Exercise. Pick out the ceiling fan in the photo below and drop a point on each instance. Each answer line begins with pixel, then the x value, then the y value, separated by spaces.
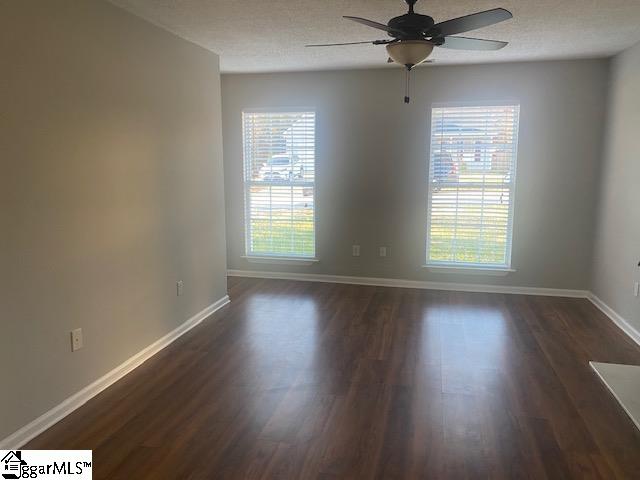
pixel 413 36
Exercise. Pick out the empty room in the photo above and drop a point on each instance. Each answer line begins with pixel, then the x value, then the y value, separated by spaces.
pixel 389 239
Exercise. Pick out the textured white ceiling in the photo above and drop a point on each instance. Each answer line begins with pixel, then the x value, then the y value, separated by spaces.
pixel 269 35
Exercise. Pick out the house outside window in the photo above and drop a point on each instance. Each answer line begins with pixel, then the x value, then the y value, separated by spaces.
pixel 279 183
pixel 471 185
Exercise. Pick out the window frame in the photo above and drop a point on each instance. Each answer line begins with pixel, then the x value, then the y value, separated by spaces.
pixel 275 258
pixel 473 267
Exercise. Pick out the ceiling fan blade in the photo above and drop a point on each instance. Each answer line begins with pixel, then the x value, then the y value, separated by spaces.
pixel 372 42
pixel 470 22
pixel 371 23
pixel 465 43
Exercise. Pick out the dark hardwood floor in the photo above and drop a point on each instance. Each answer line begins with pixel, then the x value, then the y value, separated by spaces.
pixel 325 381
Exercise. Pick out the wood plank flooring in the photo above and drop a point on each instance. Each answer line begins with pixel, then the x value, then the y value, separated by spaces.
pixel 326 381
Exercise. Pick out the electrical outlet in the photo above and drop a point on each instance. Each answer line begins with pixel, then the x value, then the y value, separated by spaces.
pixel 355 250
pixel 382 251
pixel 76 339
pixel 179 287
pixel 636 289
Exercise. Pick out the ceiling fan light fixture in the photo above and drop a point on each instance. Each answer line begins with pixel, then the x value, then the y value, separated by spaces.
pixel 409 52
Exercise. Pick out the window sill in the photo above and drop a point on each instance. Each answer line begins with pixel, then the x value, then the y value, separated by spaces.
pixel 494 271
pixel 275 260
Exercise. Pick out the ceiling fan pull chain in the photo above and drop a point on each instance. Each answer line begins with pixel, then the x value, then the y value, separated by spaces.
pixel 407 85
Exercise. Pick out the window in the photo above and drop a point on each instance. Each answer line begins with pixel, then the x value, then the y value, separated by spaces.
pixel 471 184
pixel 279 183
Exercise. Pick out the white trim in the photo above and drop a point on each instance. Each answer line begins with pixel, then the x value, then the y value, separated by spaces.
pixel 499 102
pixel 494 271
pixel 57 413
pixel 279 109
pixel 276 260
pixel 420 284
pixel 622 324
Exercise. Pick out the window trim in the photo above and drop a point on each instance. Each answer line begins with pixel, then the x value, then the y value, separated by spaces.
pixel 280 260
pixel 471 270
pixel 275 258
pixel 459 267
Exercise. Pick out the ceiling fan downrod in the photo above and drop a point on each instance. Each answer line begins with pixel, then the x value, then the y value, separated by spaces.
pixel 411 3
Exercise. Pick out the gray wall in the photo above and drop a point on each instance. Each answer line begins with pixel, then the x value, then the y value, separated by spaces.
pixel 111 190
pixel 617 250
pixel 372 153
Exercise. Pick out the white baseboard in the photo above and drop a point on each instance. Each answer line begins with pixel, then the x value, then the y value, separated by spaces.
pixel 623 324
pixel 57 413
pixel 397 282
pixel 461 287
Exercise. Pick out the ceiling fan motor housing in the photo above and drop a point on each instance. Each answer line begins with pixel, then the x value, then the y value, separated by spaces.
pixel 413 25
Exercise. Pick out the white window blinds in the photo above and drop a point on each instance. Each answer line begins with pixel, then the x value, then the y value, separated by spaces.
pixel 279 183
pixel 471 185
